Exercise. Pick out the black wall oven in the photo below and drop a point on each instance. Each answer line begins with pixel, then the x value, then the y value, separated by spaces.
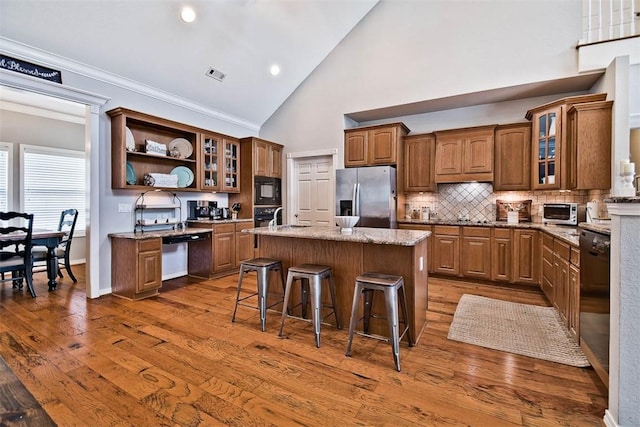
pixel 267 191
pixel 595 294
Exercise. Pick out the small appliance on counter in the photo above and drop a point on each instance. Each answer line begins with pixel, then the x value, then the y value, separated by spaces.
pixel 201 209
pixel 562 214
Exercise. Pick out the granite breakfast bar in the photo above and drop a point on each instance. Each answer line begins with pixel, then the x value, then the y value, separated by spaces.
pixel 390 251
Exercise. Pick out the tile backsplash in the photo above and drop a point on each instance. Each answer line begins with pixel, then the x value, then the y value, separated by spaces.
pixel 476 201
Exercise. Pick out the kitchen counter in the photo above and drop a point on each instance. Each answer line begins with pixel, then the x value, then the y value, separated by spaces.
pixel 217 221
pixel 150 234
pixel 379 236
pixel 565 232
pixel 400 252
pixel 603 227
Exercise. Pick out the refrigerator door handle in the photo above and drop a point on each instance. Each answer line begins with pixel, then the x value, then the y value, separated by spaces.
pixel 356 199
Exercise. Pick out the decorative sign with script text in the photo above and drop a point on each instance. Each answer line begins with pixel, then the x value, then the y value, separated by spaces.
pixel 24 67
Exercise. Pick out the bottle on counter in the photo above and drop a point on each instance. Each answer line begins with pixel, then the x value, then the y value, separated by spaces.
pixel 425 214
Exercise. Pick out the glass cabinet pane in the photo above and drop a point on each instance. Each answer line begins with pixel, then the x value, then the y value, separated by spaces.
pixel 211 162
pixel 542 125
pixel 542 149
pixel 552 148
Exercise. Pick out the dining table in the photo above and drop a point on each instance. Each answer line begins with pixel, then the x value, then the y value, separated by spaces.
pixel 50 239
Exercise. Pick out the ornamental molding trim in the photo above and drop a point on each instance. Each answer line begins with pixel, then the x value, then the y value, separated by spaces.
pixel 30 53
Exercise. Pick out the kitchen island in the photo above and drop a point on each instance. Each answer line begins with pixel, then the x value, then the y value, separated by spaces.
pixel 390 251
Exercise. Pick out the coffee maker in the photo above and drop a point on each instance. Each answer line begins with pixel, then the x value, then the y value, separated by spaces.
pixel 201 209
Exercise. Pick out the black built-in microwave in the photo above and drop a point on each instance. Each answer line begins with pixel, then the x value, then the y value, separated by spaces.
pixel 267 191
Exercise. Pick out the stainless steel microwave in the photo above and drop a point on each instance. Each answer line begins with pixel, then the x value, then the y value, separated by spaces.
pixel 267 191
pixel 560 213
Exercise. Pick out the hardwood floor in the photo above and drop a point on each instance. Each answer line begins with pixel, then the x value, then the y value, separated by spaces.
pixel 178 360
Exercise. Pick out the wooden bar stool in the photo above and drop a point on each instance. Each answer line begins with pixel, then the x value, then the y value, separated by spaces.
pixel 261 266
pixel 391 286
pixel 311 276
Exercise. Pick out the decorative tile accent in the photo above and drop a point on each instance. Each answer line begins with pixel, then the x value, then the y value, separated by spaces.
pixel 476 201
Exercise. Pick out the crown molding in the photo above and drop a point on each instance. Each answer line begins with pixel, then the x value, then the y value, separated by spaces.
pixel 30 53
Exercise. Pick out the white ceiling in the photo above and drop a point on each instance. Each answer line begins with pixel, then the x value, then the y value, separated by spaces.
pixel 146 41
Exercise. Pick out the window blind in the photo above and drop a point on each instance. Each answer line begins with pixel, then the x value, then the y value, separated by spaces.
pixel 4 178
pixel 53 180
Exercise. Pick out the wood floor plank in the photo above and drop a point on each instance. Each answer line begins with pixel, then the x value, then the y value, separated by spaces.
pixel 177 359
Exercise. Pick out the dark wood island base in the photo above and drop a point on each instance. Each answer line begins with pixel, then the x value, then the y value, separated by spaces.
pixel 400 252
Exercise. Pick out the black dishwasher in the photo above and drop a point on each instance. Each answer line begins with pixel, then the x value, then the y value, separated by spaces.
pixel 595 299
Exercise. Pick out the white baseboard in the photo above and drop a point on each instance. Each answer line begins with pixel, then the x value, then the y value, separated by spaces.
pixel 174 275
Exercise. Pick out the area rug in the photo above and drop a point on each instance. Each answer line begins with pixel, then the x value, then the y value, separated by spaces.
pixel 524 329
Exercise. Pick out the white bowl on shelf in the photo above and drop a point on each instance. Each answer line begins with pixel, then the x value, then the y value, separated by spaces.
pixel 346 223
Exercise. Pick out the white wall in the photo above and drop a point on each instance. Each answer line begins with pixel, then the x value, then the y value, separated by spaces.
pixel 407 51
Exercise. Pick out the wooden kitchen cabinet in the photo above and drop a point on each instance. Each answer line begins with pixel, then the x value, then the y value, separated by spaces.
pixel 526 258
pixel 136 267
pixel 268 158
pixel 550 155
pixel 129 160
pixel 374 146
pixel 501 255
pixel 228 247
pixel 223 247
pixel 548 268
pixel 574 294
pixel 589 146
pixel 259 158
pixel 464 154
pixel 476 252
pixel 419 163
pixel 219 163
pixel 446 250
pixel 561 285
pixel 512 157
pixel 243 243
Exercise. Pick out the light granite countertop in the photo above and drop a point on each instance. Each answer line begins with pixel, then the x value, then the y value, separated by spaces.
pixel 567 233
pixel 151 234
pixel 380 236
pixel 217 221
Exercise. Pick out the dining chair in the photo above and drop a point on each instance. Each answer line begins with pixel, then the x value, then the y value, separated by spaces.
pixel 67 225
pixel 18 261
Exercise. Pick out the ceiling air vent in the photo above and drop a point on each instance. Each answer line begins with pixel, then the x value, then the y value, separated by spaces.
pixel 216 74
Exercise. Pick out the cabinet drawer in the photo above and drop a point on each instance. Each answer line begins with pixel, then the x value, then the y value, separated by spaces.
pixel 149 245
pixel 562 249
pixel 547 240
pixel 450 230
pixel 224 228
pixel 244 225
pixel 502 233
pixel 575 256
pixel 476 231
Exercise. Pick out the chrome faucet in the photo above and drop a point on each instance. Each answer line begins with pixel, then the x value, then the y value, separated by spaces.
pixel 274 222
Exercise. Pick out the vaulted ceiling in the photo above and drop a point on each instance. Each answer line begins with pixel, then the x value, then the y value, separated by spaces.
pixel 146 41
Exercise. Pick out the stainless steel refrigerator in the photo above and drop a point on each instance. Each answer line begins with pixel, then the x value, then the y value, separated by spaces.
pixel 369 193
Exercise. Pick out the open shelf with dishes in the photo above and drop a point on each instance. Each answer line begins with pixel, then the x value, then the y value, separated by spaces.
pixel 157 210
pixel 148 151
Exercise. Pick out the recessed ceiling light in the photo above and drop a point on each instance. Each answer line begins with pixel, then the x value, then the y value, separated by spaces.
pixel 274 70
pixel 188 14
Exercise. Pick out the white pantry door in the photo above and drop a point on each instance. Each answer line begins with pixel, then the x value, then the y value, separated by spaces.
pixel 314 191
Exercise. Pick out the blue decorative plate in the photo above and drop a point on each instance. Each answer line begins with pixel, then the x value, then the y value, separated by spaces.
pixel 185 176
pixel 131 174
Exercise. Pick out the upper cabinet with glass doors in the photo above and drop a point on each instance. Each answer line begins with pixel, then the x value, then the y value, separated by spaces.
pixel 220 163
pixel 550 156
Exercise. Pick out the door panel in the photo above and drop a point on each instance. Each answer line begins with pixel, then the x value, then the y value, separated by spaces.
pixel 313 195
